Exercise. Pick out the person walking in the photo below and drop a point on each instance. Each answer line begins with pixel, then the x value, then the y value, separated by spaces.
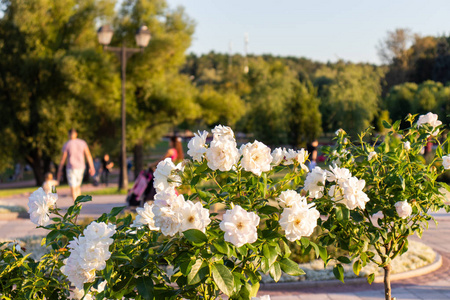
pixel 74 151
pixel 107 165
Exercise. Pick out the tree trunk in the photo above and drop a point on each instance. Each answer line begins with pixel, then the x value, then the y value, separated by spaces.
pixel 387 282
pixel 138 159
pixel 35 161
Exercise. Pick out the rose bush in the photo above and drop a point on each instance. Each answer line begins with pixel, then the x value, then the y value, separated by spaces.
pixel 233 221
pixel 210 253
pixel 392 196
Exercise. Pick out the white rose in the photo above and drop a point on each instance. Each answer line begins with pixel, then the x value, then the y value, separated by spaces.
pixel 222 155
pixel 446 162
pixel 240 226
pixel 278 156
pixel 256 158
pixel 167 212
pixel 371 155
pixel 39 204
pixel 315 182
pixel 403 209
pixel 145 217
pixel 290 197
pixel 430 119
pixel 336 193
pixel 194 216
pixel 338 174
pixel 221 132
pixel 298 221
pixel 100 232
pixel 88 253
pixel 167 220
pixel 165 197
pixel 407 146
pixel 353 193
pixel 197 146
pixel 300 156
pixel 164 177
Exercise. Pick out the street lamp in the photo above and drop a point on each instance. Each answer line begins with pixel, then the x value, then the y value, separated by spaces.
pixel 143 36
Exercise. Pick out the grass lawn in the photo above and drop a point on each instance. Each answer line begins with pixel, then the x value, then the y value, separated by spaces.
pixel 108 191
pixel 17 191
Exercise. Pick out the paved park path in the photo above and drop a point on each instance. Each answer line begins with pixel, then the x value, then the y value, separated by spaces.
pixel 432 286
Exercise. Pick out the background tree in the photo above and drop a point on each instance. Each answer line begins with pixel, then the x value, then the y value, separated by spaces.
pixel 304 118
pixel 350 97
pixel 49 75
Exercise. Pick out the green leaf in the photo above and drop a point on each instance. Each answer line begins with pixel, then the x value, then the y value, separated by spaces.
pixel 145 287
pixel 290 267
pixel 338 272
pixel 221 247
pixel 195 236
pixel 275 271
pixel 268 210
pixel 265 265
pixel 270 253
pixel 305 242
pixel 83 198
pixel 371 278
pixel 323 253
pixel 115 211
pixel 120 256
pixel 344 259
pixel 223 278
pixel 357 267
pixel 201 168
pixel 439 151
pixel 316 248
pixel 342 213
pixel 386 125
pixel 195 180
pixel 194 270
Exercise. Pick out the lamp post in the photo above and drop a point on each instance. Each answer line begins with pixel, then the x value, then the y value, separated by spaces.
pixel 143 36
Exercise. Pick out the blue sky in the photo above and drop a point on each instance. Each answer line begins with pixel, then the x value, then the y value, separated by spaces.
pixel 320 30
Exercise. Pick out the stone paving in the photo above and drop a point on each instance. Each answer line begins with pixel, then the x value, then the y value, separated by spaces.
pixel 432 286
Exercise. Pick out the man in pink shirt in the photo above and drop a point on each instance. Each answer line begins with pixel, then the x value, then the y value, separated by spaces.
pixel 74 151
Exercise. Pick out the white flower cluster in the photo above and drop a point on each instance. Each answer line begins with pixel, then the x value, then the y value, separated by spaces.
pixel 222 154
pixel 88 253
pixel 315 182
pixel 39 204
pixel 403 209
pixel 240 226
pixel 347 190
pixel 256 158
pixel 197 146
pixel 446 162
pixel 430 119
pixel 145 217
pixel 165 175
pixel 299 218
pixel 172 214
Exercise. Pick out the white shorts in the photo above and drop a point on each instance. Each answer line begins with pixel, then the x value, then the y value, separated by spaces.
pixel 75 177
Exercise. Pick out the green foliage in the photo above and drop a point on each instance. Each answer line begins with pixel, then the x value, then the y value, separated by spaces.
pixel 204 265
pixel 305 120
pixel 418 98
pixel 377 233
pixel 350 96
